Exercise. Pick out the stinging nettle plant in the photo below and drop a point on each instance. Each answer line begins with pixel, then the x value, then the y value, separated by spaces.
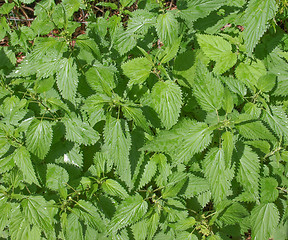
pixel 159 120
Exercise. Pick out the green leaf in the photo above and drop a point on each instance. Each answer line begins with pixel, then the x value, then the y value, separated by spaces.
pixel 43 85
pixel 167 28
pixel 4 145
pixel 184 235
pixel 175 184
pixel 234 85
pixel 164 236
pixel 204 198
pixel 255 130
pixel 277 120
pixel 67 78
pixel 164 169
pixel 71 6
pixel 20 228
pixel 114 188
pixel 80 132
pixel 269 191
pixel 195 186
pixel 149 171
pixel 175 210
pixel 6 8
pixel 88 44
pixel 57 104
pixel 228 103
pixel 113 6
pixel 137 70
pixel 56 177
pixel 22 160
pixel 6 163
pixel 250 73
pixel 233 214
pixel 152 225
pixel 278 67
pixel 167 100
pixel 184 224
pixel 264 219
pixel 6 209
pixel 257 17
pixel 94 107
pixel 72 156
pixel 253 110
pixel 218 175
pixel 139 23
pixel 102 163
pixel 218 50
pixel 208 90
pixel 128 212
pixel 36 210
pixel 89 213
pixel 267 82
pixel 184 66
pixel 193 10
pixel 27 1
pixel 126 3
pixel 228 147
pixel 125 42
pixel 7 55
pixel 135 113
pixel 12 110
pixel 171 51
pixel 74 227
pixel 248 172
pixel 146 228
pixel 118 143
pixel 101 78
pixel 264 146
pixel 184 140
pixel 39 137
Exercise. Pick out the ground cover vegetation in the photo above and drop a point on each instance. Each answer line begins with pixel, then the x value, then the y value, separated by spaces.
pixel 143 119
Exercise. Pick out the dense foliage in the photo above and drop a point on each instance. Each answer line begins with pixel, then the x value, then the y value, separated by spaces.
pixel 147 119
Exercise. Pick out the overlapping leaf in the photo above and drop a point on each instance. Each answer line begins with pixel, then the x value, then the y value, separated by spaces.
pixel 131 210
pixel 277 120
pixel 167 28
pixel 39 137
pixel 22 160
pixel 167 101
pixel 67 78
pixel 101 78
pixel 183 141
pixel 257 16
pixel 250 73
pixel 35 209
pixel 193 10
pixel 80 132
pixel 218 175
pixel 248 172
pixel 218 50
pixel 208 90
pixel 264 219
pixel 118 143
pixel 137 69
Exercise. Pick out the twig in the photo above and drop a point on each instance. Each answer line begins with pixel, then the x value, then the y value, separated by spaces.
pixel 19 20
pixel 99 9
pixel 170 4
pixel 282 189
pixel 15 20
pixel 28 8
pixel 26 16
